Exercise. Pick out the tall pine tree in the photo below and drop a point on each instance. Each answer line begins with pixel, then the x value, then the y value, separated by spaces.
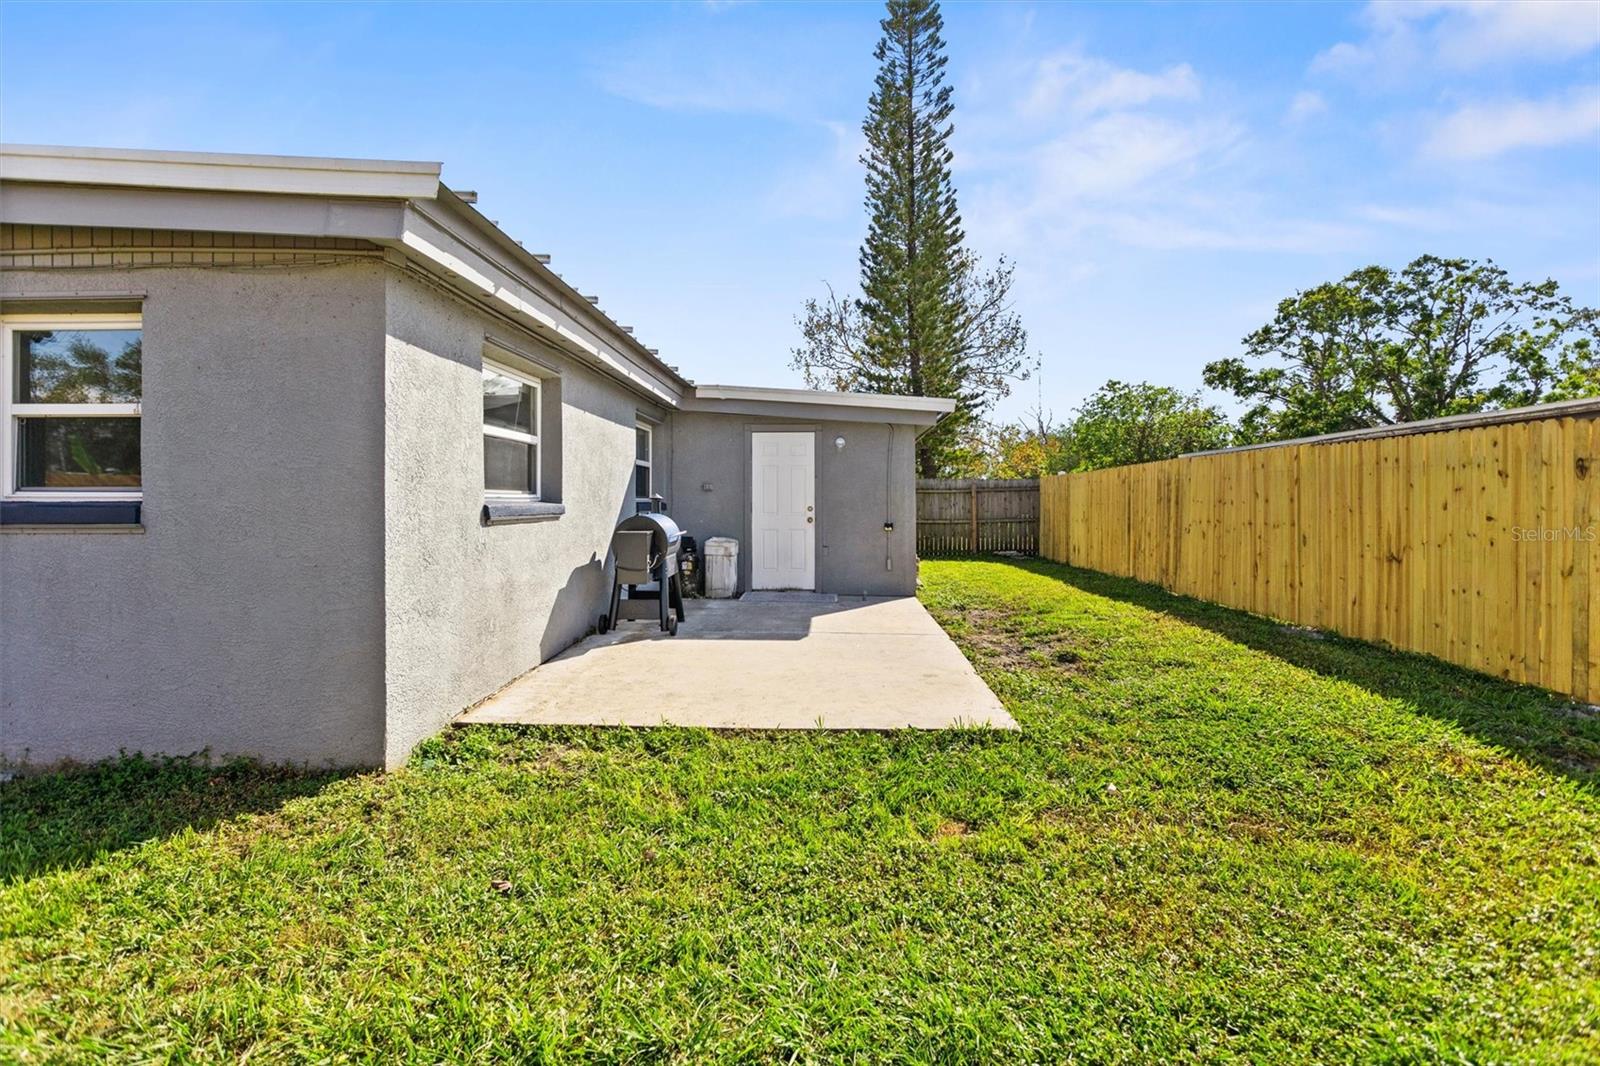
pixel 927 322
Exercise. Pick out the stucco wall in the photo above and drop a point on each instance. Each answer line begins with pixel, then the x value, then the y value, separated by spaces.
pixel 247 617
pixel 859 487
pixel 314 582
pixel 471 607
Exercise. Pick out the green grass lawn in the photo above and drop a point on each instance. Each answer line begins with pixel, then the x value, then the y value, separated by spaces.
pixel 1215 839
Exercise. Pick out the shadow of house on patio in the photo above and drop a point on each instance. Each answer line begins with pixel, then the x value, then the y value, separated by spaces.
pixel 1541 728
pixel 65 820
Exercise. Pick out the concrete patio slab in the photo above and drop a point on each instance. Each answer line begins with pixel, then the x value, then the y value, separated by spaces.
pixel 875 663
pixel 761 596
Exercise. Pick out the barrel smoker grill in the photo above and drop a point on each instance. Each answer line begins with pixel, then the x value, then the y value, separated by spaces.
pixel 645 547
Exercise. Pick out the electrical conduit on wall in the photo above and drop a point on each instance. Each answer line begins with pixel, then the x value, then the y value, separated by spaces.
pixel 888 515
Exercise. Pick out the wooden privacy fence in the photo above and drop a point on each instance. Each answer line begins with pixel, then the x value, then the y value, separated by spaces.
pixel 972 515
pixel 1473 542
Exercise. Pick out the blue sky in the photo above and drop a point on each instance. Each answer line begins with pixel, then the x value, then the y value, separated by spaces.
pixel 1161 175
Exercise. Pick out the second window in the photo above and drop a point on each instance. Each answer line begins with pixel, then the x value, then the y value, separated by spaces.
pixel 643 446
pixel 510 433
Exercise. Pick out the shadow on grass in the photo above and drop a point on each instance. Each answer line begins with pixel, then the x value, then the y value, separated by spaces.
pixel 1539 727
pixel 66 819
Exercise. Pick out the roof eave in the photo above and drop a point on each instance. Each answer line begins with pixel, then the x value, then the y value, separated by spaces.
pixel 394 204
pixel 382 179
pixel 923 411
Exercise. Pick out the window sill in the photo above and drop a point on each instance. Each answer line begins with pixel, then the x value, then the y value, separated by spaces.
pixel 504 512
pixel 56 514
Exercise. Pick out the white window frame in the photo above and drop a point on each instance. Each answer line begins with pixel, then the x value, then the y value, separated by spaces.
pixel 492 367
pixel 648 464
pixel 11 412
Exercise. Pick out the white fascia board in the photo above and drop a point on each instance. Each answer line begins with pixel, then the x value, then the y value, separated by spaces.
pixel 812 412
pixel 476 270
pixel 933 405
pixel 380 179
pixel 26 203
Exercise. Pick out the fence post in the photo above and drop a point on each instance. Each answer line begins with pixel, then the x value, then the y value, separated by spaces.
pixel 974 487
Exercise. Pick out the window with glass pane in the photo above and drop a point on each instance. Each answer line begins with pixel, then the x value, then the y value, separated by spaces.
pixel 643 443
pixel 507 402
pixel 77 365
pixel 72 392
pixel 510 434
pixel 77 453
pixel 509 466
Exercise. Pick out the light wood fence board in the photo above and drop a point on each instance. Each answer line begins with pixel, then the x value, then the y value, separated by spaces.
pixel 1474 544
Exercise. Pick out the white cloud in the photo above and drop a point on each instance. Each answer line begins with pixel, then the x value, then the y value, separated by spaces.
pixel 677 79
pixel 1405 36
pixel 1305 105
pixel 830 186
pixel 1399 216
pixel 1484 33
pixel 1116 155
pixel 1231 232
pixel 1052 134
pixel 1344 56
pixel 1139 180
pixel 1483 130
pixel 1077 153
pixel 1087 85
pixel 713 64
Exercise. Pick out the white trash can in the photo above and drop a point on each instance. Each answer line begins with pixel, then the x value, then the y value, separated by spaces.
pixel 722 568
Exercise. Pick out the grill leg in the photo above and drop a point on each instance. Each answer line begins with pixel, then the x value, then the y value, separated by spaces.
pixel 616 602
pixel 677 594
pixel 665 600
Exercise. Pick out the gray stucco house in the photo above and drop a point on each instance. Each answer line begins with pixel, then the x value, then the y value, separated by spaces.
pixel 304 456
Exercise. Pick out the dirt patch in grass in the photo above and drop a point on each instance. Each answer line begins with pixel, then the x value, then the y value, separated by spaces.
pixel 559 758
pixel 1256 828
pixel 1581 762
pixel 946 830
pixel 1581 712
pixel 1000 640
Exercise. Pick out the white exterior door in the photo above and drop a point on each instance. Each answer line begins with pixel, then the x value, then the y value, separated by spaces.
pixel 783 520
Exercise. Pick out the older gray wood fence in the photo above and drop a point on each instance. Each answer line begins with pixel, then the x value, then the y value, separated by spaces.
pixel 968 516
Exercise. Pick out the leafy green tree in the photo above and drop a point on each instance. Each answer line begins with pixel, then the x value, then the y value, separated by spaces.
pixel 1139 423
pixel 928 321
pixel 1439 337
pixel 1029 447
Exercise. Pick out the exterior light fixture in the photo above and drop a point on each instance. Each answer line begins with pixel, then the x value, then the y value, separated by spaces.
pixel 838 442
